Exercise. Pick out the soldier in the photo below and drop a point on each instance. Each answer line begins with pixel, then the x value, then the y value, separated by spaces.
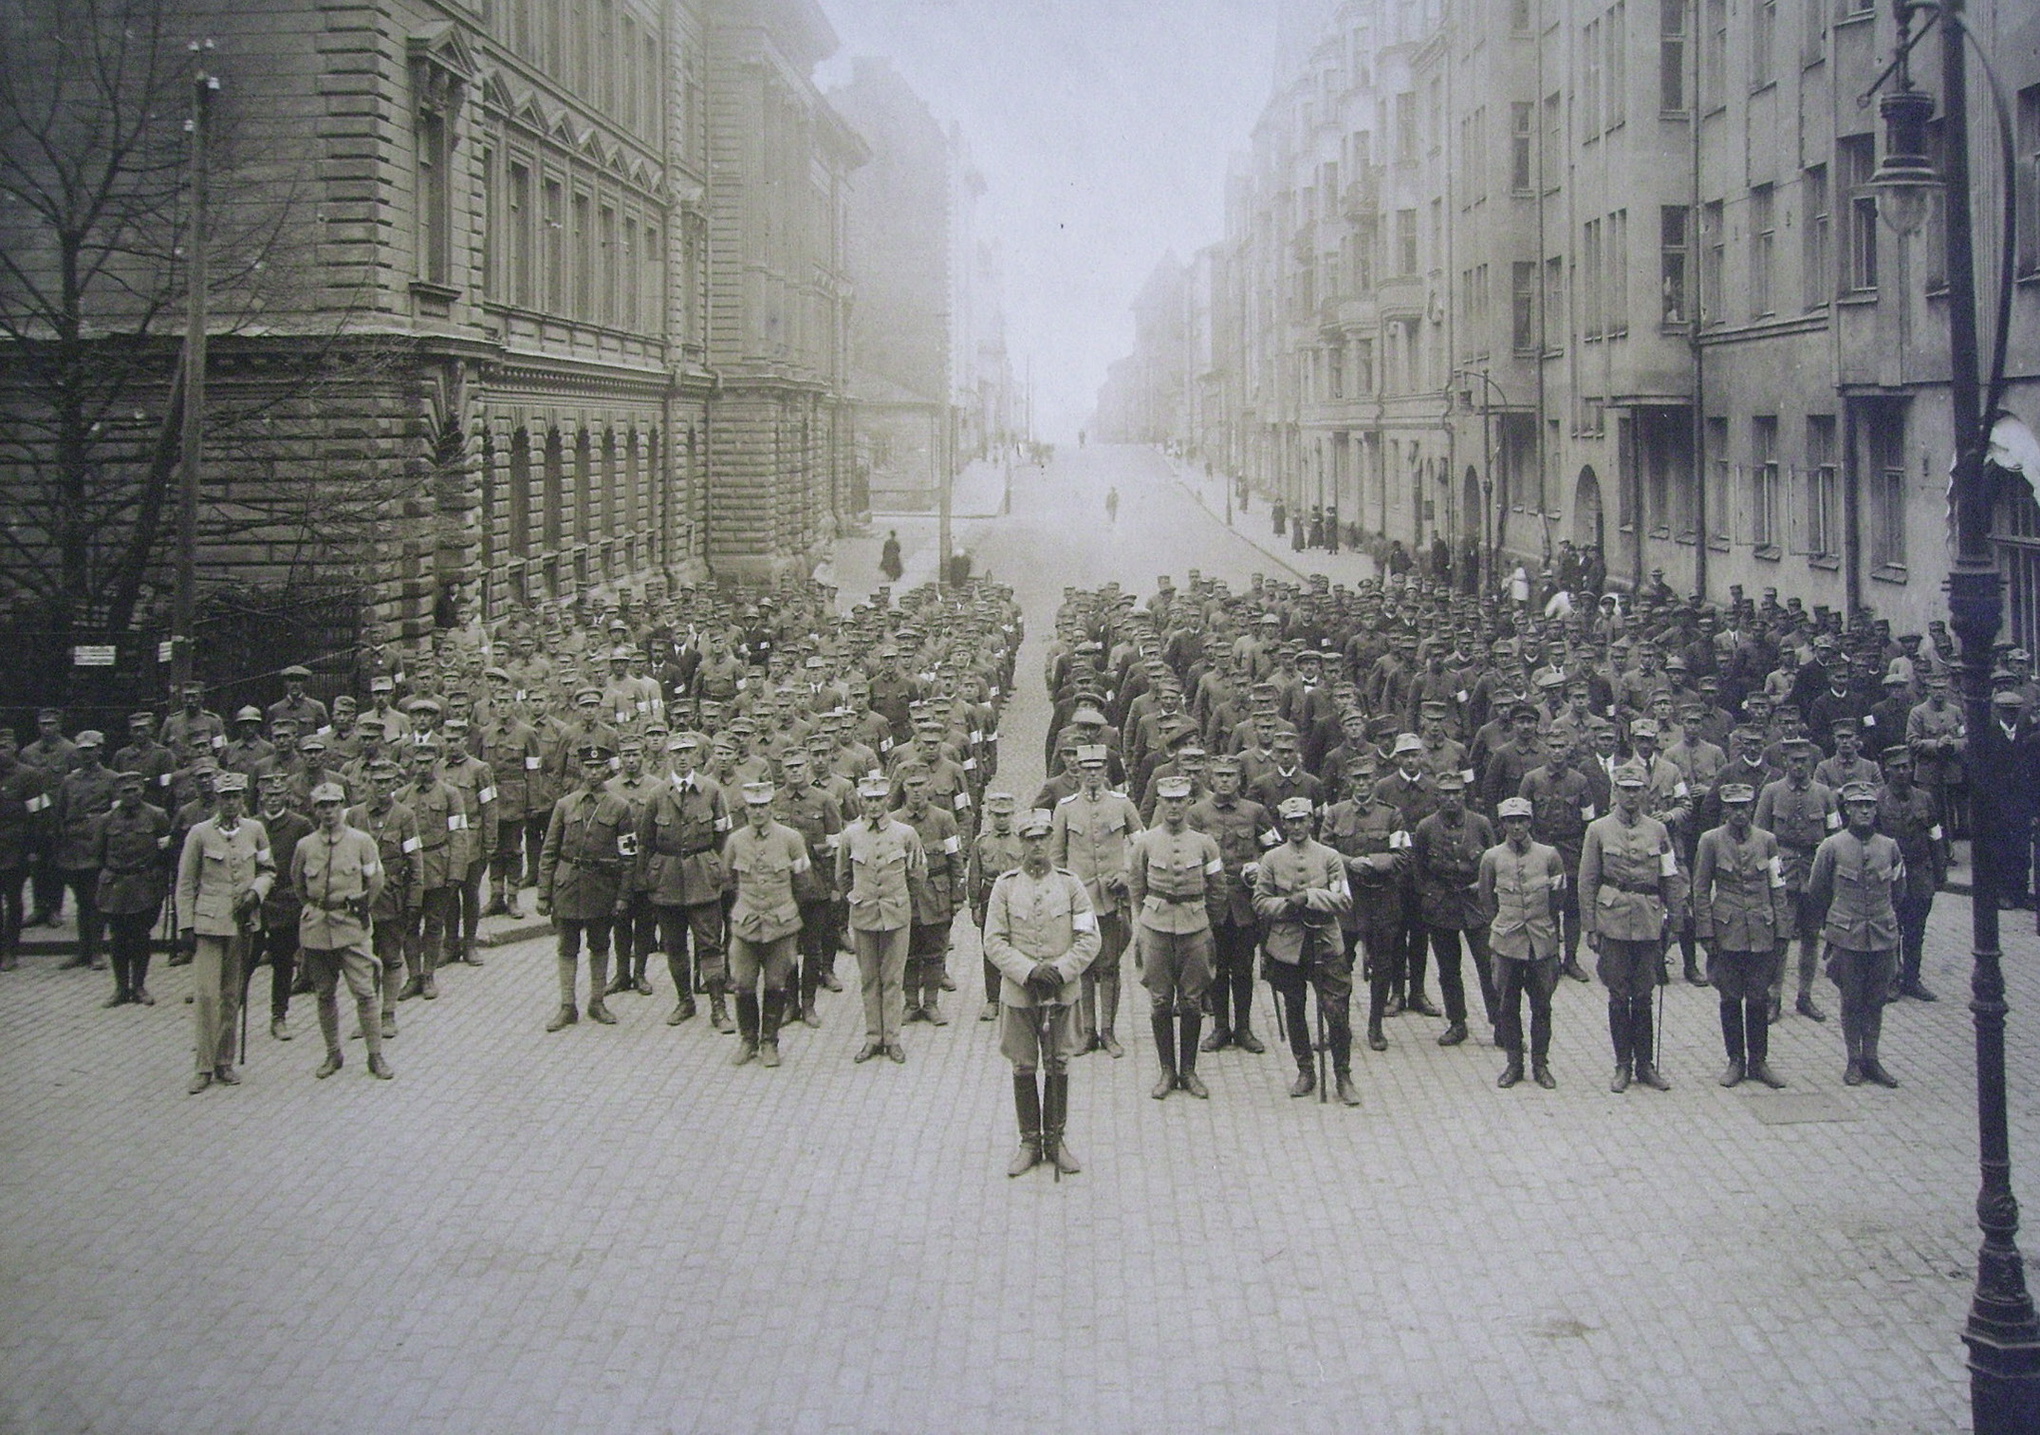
pixel 1174 875
pixel 1413 793
pixel 765 857
pixel 53 756
pixel 680 836
pixel 338 874
pixel 878 862
pixel 1520 883
pixel 1242 828
pixel 936 893
pixel 249 754
pixel 1800 813
pixel 516 760
pixel 1039 933
pixel 193 729
pixel 472 841
pixel 1092 828
pixel 1562 803
pixel 588 842
pixel 1301 893
pixel 1743 912
pixel 275 943
pixel 806 808
pixel 637 923
pixel 1628 885
pixel 1910 815
pixel 401 855
pixel 1368 834
pixel 223 873
pixel 143 754
pixel 439 813
pixel 308 713
pixel 1445 853
pixel 83 797
pixel 1856 875
pixel 20 785
pixel 133 861
pixel 996 851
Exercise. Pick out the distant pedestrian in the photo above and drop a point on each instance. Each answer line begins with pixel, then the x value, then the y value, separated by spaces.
pixel 889 557
pixel 1112 504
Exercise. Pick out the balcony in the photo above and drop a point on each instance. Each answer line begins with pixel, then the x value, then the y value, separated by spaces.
pixel 1361 199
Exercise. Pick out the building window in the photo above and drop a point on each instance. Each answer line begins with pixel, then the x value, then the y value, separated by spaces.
pixel 1519 16
pixel 1813 43
pixel 520 493
pixel 1363 367
pixel 1764 530
pixel 1406 127
pixel 1554 301
pixel 435 197
pixel 1523 306
pixel 1763 243
pixel 491 254
pixel 2029 180
pixel 1674 223
pixel 585 265
pixel 1857 156
pixel 555 248
pixel 1672 56
pixel 612 261
pixel 652 291
pixel 1519 147
pixel 1618 274
pixel 1714 56
pixel 1713 257
pixel 1885 444
pixel 1590 80
pixel 1763 43
pixel 627 266
pixel 1590 271
pixel 1554 140
pixel 1360 255
pixel 1616 36
pixel 1816 236
pixel 1823 489
pixel 1406 241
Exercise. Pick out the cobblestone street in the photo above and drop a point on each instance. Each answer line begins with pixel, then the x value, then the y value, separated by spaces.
pixel 611 1229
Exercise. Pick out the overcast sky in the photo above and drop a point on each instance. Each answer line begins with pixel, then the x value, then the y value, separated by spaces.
pixel 1102 128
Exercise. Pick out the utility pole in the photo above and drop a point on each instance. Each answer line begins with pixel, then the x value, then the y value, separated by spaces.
pixel 191 462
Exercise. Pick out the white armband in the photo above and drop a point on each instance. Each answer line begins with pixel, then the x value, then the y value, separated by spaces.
pixel 1935 832
pixel 1777 869
pixel 1834 821
pixel 950 846
pixel 1667 865
pixel 409 845
pixel 487 794
pixel 532 764
pixel 1083 922
pixel 1213 867
pixel 960 801
pixel 456 822
pixel 1587 813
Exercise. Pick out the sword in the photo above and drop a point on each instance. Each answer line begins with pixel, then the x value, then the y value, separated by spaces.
pixel 1051 1133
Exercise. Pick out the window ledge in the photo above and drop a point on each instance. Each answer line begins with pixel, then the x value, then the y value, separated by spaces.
pixel 442 293
pixel 1662 534
pixel 1828 562
pixel 1770 552
pixel 1889 573
pixel 1760 88
pixel 1857 297
pixel 1674 328
pixel 1718 543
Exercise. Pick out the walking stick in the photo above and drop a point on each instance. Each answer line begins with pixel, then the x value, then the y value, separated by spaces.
pixel 1323 1044
pixel 1051 1131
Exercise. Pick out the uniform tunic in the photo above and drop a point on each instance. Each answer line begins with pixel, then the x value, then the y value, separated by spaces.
pixel 1519 890
pixel 1029 920
pixel 580 869
pixel 1172 879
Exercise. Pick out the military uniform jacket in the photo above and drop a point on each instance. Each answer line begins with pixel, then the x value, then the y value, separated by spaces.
pixel 84 796
pixel 1243 829
pixel 307 712
pixel 1414 798
pixel 1369 835
pixel 399 853
pixel 475 837
pixel 1445 863
pixel 1089 839
pixel 1800 818
pixel 1519 895
pixel 190 735
pixel 1315 873
pixel 813 813
pixel 939 888
pixel 1853 884
pixel 133 861
pixel 19 787
pixel 680 835
pixel 155 762
pixel 517 762
pixel 286 829
pixel 439 811
pixel 1628 878
pixel 1174 877
pixel 764 866
pixel 215 867
pixel 337 878
pixel 1039 919
pixel 877 867
pixel 1914 823
pixel 581 866
pixel 992 856
pixel 1561 806
pixel 1740 901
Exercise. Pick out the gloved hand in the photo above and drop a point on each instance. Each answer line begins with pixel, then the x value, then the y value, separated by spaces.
pixel 544 906
pixel 1044 980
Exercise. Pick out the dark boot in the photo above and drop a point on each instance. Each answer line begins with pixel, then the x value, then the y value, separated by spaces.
pixel 1872 1031
pixel 1163 1020
pixel 1643 1038
pixel 718 1010
pixel 1027 1103
pixel 1758 1032
pixel 1187 1077
pixel 1055 1143
pixel 771 1014
pixel 1618 1035
pixel 747 1028
pixel 1243 1012
pixel 1732 1040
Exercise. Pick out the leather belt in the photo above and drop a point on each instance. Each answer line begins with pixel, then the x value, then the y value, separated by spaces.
pixel 1176 901
pixel 1634 890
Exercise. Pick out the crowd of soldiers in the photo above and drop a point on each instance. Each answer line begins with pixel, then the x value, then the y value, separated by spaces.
pixel 745 788
pixel 1396 777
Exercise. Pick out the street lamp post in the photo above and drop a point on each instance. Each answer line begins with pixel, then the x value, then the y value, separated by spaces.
pixel 1489 536
pixel 2002 1332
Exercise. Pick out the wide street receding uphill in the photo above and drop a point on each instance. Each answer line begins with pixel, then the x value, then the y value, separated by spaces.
pixel 613 1229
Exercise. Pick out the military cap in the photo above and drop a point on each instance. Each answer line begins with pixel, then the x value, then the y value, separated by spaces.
pixel 2008 699
pixel 623 745
pixel 298 671
pixel 1450 781
pixel 369 724
pixel 1089 717
pixel 1294 807
pixel 382 683
pixel 1735 793
pixel 1897 752
pixel 205 764
pixel 1091 752
pixel 328 792
pixel 1549 678
pixel 312 742
pixel 1643 727
pixel 123 779
pixel 914 777
pixel 588 698
pixel 1799 747
pixel 1514 807
pixel 1523 710
pixel 1173 787
pixel 496 675
pixel 383 767
pixel 593 752
pixel 873 786
pixel 230 780
pixel 251 713
pixel 346 702
pixel 757 794
pixel 741 726
pixel 91 737
pixel 1859 792
pixel 194 687
pixel 455 726
pixel 139 716
pixel 423 705
pixel 1408 742
pixel 794 756
pixel 426 745
pixel 1224 762
pixel 1433 707
pixel 1000 802
pixel 1631 774
pixel 1038 822
pixel 1191 748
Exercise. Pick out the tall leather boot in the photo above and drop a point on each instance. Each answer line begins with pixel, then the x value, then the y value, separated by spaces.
pixel 1618 1035
pixel 1689 950
pixel 1108 1015
pixel 1055 1141
pixel 138 978
pixel 1027 1104
pixel 683 989
pixel 1377 1007
pixel 1734 1042
pixel 1852 1074
pixel 747 1027
pixel 1087 1015
pixel 1643 1037
pixel 1243 1009
pixel 1163 1019
pixel 771 1013
pixel 1758 1031
pixel 810 983
pixel 718 1005
pixel 568 1013
pixel 1872 1034
pixel 598 969
pixel 1217 1005
pixel 1186 1067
